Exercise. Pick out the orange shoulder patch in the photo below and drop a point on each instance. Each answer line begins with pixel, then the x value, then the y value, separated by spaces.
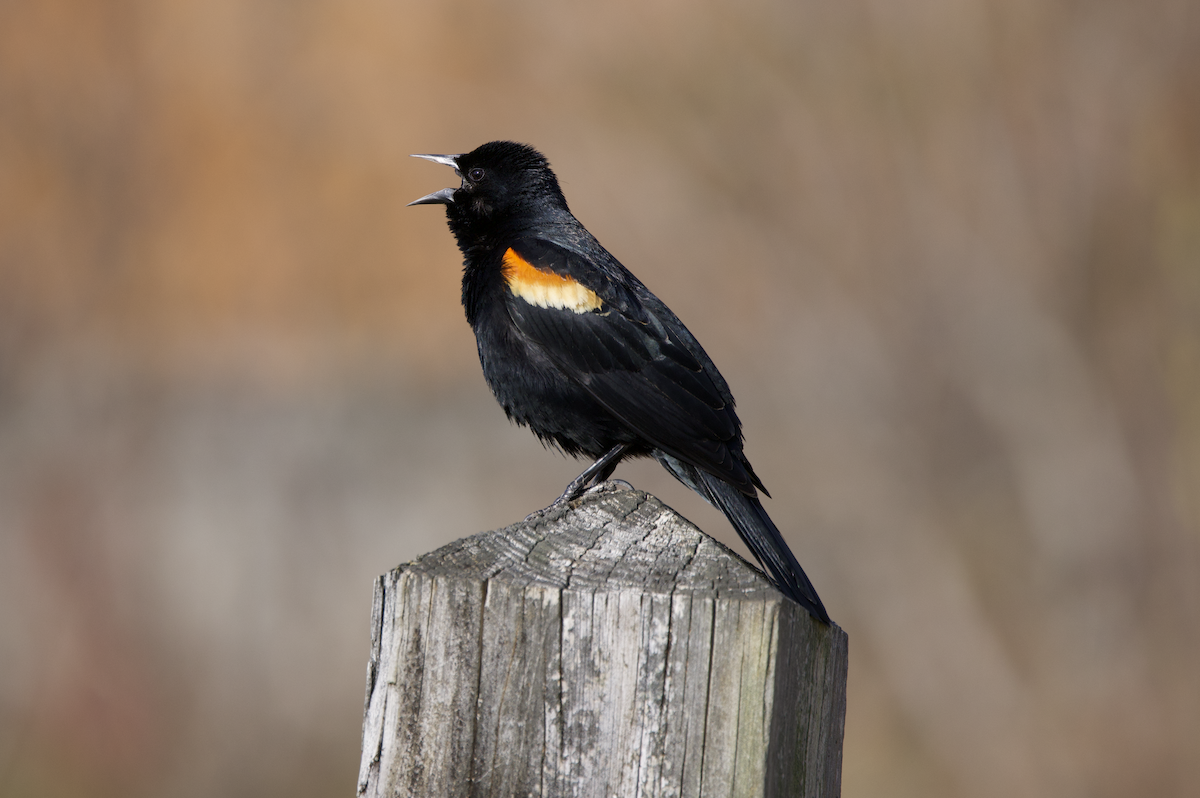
pixel 546 289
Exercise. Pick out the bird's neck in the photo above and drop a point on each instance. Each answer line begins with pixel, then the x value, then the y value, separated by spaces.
pixel 483 242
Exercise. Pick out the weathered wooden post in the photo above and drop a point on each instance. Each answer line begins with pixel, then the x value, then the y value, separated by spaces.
pixel 609 648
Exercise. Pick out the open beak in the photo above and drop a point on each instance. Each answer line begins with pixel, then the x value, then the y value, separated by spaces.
pixel 446 195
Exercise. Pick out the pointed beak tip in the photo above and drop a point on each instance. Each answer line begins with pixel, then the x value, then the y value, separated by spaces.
pixel 445 160
pixel 444 196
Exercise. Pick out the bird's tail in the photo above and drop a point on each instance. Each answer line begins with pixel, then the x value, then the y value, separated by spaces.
pixel 760 534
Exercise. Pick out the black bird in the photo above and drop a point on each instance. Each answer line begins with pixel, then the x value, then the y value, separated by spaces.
pixel 578 350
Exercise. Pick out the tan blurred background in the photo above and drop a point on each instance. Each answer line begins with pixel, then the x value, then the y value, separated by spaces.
pixel 947 254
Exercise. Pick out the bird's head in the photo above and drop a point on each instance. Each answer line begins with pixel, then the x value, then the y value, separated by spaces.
pixel 501 181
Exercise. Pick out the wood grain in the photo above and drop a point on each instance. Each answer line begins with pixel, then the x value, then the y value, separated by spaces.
pixel 608 648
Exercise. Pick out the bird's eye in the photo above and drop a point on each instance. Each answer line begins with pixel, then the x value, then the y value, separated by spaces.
pixel 475 175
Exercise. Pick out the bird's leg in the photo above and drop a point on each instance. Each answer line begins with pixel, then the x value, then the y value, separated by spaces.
pixel 594 474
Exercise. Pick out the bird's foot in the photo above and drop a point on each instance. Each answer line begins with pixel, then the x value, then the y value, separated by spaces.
pixel 563 500
pixel 572 493
pixel 577 488
pixel 592 477
pixel 610 484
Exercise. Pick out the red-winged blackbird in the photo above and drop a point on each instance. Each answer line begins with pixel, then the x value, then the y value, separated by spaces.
pixel 577 349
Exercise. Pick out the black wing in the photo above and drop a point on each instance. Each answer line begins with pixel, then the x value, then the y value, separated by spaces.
pixel 637 360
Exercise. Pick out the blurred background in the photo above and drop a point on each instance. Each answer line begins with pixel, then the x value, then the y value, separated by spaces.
pixel 946 253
